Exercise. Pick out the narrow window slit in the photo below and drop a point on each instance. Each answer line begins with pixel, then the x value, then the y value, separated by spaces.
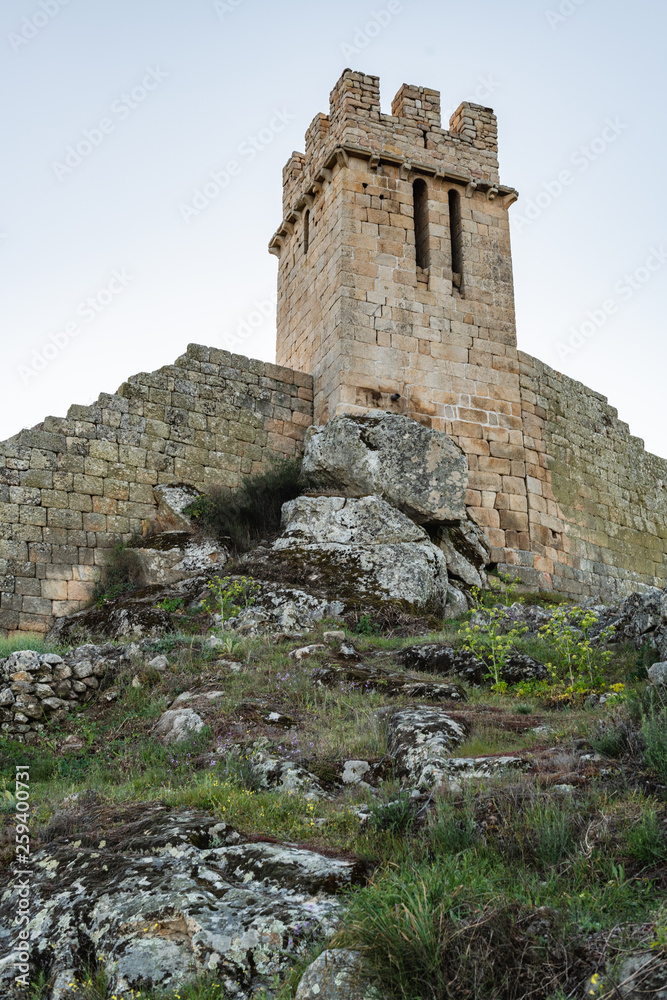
pixel 420 203
pixel 456 238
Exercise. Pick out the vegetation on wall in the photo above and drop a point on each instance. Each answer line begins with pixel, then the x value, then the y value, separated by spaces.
pixel 252 511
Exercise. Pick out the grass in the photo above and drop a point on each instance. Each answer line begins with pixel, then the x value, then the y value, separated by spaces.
pixel 488 893
pixel 654 732
pixel 26 640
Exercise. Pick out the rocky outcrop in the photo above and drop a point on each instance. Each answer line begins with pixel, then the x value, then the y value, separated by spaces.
pixel 361 549
pixel 336 974
pixel 133 618
pixel 439 658
pixel 390 682
pixel 167 897
pixel 175 555
pixel 420 740
pixel 416 470
pixel 419 471
pixel 173 500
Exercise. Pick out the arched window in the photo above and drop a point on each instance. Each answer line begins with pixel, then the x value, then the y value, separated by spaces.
pixel 306 230
pixel 420 203
pixel 456 238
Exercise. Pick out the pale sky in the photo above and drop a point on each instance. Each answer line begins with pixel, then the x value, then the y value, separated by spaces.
pixel 117 112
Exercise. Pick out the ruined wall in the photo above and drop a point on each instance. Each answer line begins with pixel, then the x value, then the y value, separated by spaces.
pixel 604 491
pixel 71 487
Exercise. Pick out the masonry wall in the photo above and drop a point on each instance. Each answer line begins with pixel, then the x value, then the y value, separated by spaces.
pixel 606 495
pixel 71 487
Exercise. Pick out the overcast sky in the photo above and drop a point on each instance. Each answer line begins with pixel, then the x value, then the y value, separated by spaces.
pixel 117 112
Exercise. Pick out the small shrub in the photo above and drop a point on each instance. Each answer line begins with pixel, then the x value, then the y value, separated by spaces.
pixel 229 596
pixel 654 731
pixel 238 517
pixel 121 575
pixel 236 769
pixel 170 604
pixel 614 738
pixel 494 641
pixel 646 840
pixel 395 817
pixel 580 661
pixel 422 938
pixel 367 626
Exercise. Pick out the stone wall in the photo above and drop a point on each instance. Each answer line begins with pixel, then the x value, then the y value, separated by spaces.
pixel 71 487
pixel 599 507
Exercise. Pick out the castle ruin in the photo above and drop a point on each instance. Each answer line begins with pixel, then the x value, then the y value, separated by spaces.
pixel 395 292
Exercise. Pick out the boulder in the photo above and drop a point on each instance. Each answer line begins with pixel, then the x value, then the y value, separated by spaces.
pixel 438 658
pixel 389 682
pixel 172 501
pixel 420 471
pixel 336 974
pixel 638 976
pixel 286 776
pixel 178 724
pixel 657 674
pixel 165 898
pixel 278 608
pixel 357 549
pixel 123 619
pixel 175 555
pixel 466 551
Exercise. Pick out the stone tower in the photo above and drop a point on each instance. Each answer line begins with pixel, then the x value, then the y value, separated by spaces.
pixel 395 282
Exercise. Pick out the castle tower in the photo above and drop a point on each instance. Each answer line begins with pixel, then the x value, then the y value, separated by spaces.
pixel 395 282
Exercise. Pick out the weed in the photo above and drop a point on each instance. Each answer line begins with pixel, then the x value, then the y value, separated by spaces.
pixel 231 595
pixel 252 511
pixel 654 731
pixel 396 817
pixel 579 660
pixel 451 830
pixel 550 834
pixel 494 641
pixel 646 839
pixel 170 604
pixel 120 576
pixel 367 626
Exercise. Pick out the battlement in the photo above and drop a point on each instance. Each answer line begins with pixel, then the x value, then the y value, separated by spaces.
pixel 412 134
